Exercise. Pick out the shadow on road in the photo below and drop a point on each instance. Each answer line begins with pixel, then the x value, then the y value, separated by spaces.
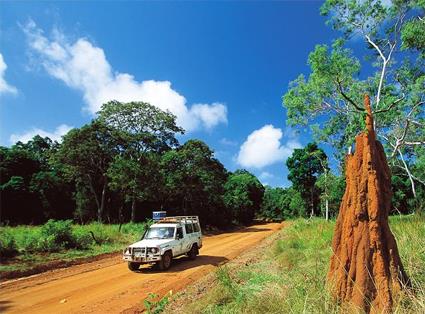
pixel 250 229
pixel 183 263
pixel 4 305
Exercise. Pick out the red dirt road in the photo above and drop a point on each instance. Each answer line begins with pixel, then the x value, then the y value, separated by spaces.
pixel 107 286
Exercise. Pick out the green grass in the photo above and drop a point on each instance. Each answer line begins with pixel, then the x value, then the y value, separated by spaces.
pixel 291 276
pixel 29 246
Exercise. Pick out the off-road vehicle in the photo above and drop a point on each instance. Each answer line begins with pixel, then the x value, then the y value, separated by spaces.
pixel 165 239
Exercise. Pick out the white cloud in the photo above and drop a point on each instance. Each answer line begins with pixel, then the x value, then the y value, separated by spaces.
pixel 4 86
pixel 263 147
pixel 84 67
pixel 226 141
pixel 56 135
pixel 265 175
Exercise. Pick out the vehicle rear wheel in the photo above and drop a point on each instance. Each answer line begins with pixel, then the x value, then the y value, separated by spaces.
pixel 133 266
pixel 193 251
pixel 165 261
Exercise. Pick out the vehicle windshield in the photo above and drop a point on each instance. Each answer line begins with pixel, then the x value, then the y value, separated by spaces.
pixel 160 233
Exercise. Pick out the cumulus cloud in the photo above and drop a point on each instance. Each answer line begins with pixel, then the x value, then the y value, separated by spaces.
pixel 4 86
pixel 83 66
pixel 56 135
pixel 263 147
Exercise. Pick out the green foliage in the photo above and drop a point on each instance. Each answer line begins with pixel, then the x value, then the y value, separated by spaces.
pixel 413 35
pixel 320 96
pixel 85 155
pixel 281 204
pixel 24 247
pixel 56 235
pixel 8 247
pixel 155 306
pixel 305 165
pixel 193 181
pixel 243 195
pixel 332 188
pixel 140 129
pixel 393 75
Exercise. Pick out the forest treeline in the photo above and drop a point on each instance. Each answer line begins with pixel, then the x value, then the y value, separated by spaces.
pixel 127 163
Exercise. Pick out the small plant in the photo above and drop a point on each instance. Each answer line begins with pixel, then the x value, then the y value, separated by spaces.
pixel 155 306
pixel 225 280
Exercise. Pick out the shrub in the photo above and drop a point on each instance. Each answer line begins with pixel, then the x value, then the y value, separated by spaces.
pixel 56 235
pixel 82 239
pixel 7 245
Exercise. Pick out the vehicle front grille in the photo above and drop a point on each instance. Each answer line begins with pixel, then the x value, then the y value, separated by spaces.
pixel 138 250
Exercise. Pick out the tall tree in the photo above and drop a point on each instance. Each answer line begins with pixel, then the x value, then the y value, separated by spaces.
pixel 330 99
pixel 193 180
pixel 139 129
pixel 30 186
pixel 332 189
pixel 305 165
pixel 85 156
pixel 243 195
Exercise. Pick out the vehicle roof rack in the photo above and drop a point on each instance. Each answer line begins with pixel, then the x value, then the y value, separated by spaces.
pixel 178 219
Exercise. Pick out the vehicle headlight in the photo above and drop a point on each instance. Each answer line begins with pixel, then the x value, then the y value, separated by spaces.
pixel 153 250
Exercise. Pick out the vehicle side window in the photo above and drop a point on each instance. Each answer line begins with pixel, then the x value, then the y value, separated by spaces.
pixel 196 227
pixel 180 232
pixel 189 228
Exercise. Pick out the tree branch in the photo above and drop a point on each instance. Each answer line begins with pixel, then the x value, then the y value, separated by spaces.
pixel 412 183
pixel 348 98
pixel 390 106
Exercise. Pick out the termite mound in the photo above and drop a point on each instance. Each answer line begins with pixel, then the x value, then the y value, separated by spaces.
pixel 366 270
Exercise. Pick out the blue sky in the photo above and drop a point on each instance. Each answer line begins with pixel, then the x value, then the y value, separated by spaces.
pixel 221 67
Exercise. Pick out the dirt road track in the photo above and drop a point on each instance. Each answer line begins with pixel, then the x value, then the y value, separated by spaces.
pixel 107 286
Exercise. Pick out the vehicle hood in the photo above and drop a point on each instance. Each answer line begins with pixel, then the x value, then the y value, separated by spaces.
pixel 151 243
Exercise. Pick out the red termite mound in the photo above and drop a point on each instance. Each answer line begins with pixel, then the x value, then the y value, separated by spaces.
pixel 366 270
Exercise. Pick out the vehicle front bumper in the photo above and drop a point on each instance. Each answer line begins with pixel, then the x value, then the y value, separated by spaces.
pixel 142 258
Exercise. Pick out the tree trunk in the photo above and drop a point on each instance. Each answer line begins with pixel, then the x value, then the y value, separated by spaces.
pixel 327 208
pixel 365 270
pixel 133 210
pixel 312 201
pixel 96 199
pixel 102 203
pixel 120 217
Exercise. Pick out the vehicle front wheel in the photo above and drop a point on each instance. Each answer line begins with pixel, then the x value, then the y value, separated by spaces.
pixel 165 261
pixel 193 251
pixel 133 266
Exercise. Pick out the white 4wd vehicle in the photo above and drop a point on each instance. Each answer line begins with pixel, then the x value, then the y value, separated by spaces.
pixel 167 238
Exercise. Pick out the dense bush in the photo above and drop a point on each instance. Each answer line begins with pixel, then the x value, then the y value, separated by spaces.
pixel 7 245
pixel 56 236
pixel 63 236
pixel 279 204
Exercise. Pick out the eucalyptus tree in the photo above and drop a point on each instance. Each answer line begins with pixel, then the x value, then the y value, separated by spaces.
pixel 139 130
pixel 392 72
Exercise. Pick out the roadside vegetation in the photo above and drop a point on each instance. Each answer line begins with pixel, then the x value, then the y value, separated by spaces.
pixel 23 247
pixel 290 275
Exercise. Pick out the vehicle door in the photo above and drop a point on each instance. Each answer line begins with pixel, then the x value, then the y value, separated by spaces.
pixel 197 233
pixel 188 237
pixel 180 241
